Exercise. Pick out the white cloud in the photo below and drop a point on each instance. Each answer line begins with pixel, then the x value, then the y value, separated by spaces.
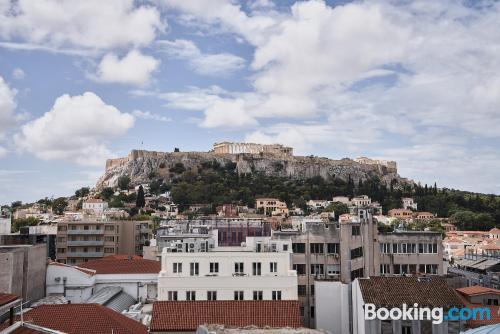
pixel 150 116
pixel 3 152
pixel 90 24
pixel 77 128
pixel 134 68
pixel 203 63
pixel 7 106
pixel 18 73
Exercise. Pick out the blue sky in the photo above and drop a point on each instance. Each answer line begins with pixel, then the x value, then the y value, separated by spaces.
pixel 417 82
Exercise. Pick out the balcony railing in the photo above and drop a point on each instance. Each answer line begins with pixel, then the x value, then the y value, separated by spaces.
pixel 86 243
pixel 85 254
pixel 88 232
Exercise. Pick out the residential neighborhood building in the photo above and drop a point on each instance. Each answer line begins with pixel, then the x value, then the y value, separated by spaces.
pixel 94 205
pixel 477 296
pixel 259 270
pixel 271 206
pixel 5 223
pixel 80 240
pixel 409 204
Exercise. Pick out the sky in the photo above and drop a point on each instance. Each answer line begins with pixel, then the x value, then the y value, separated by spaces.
pixel 413 81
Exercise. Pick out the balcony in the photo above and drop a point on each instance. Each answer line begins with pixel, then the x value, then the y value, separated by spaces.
pixel 86 232
pixel 86 243
pixel 85 254
pixel 145 230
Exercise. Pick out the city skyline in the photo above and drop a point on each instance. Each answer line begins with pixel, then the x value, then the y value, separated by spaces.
pixel 81 83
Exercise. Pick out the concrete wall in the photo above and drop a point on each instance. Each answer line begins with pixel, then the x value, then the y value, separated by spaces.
pixel 332 306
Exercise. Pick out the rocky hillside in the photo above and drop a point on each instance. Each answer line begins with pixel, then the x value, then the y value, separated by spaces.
pixel 143 166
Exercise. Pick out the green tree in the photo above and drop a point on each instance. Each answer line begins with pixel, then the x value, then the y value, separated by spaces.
pixel 59 205
pixel 140 201
pixel 106 193
pixel 82 192
pixel 124 182
pixel 338 208
pixel 18 223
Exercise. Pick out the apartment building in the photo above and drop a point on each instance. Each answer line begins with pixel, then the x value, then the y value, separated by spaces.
pixel 339 251
pixel 259 270
pixel 410 252
pixel 271 206
pixel 81 240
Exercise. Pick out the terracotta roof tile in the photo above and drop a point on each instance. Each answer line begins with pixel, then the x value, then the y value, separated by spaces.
pixel 477 290
pixel 188 315
pixel 122 264
pixel 6 298
pixel 396 291
pixel 494 314
pixel 83 319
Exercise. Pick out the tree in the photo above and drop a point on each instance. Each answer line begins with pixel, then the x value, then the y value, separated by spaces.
pixel 18 223
pixel 140 202
pixel 338 208
pixel 59 204
pixel 124 182
pixel 82 192
pixel 106 193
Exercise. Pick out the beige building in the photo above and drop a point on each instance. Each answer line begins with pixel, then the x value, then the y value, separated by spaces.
pixel 90 238
pixel 271 206
pixel 400 213
pixel 252 148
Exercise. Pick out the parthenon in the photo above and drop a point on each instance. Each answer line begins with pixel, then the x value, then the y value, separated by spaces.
pixel 252 148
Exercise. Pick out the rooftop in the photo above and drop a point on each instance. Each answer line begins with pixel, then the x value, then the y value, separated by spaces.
pixel 188 315
pixel 477 290
pixel 6 298
pixel 123 264
pixel 83 319
pixel 396 291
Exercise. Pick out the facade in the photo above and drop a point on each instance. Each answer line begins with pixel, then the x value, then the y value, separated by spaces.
pixel 22 271
pixel 95 205
pixel 252 148
pixel 410 252
pixel 5 223
pixel 318 204
pixel 400 213
pixel 33 235
pixel 409 204
pixel 81 240
pixel 271 206
pixel 261 270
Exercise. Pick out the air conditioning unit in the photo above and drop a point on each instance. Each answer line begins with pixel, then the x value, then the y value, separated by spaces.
pixel 57 279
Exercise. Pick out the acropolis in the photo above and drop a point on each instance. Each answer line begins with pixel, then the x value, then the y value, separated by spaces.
pixel 252 148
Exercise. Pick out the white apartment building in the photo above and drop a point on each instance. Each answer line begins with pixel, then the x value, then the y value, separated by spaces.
pixel 5 225
pixel 95 205
pixel 258 270
pixel 409 204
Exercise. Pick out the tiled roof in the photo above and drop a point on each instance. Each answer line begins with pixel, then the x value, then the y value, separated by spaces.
pixel 83 270
pixel 494 314
pixel 123 264
pixel 395 291
pixel 188 315
pixel 477 290
pixel 94 200
pixel 6 298
pixel 495 231
pixel 83 319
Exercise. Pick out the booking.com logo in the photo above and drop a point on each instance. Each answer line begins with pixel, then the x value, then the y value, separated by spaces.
pixel 436 314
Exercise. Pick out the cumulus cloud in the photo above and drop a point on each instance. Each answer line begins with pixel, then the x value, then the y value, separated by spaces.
pixel 134 68
pixel 90 24
pixel 203 63
pixel 77 128
pixel 150 116
pixel 7 106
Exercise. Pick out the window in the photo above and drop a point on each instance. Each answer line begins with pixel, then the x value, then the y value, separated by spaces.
pixel 333 248
pixel 211 295
pixel 333 269
pixel 109 228
pixel 257 295
pixel 299 248
pixel 356 252
pixel 356 230
pixel 385 248
pixel 190 295
pixel 312 311
pixel 238 268
pixel 492 302
pixel 312 290
pixel 302 311
pixel 109 250
pixel 357 273
pixel 300 269
pixel 256 269
pixel 316 248
pixel 276 295
pixel 428 248
pixel 214 267
pixel 172 295
pixel 317 269
pixel 238 295
pixel 285 248
pixel 405 329
pixel 109 238
pixel 194 269
pixel 385 269
pixel 177 268
pixel 273 267
pixel 301 290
